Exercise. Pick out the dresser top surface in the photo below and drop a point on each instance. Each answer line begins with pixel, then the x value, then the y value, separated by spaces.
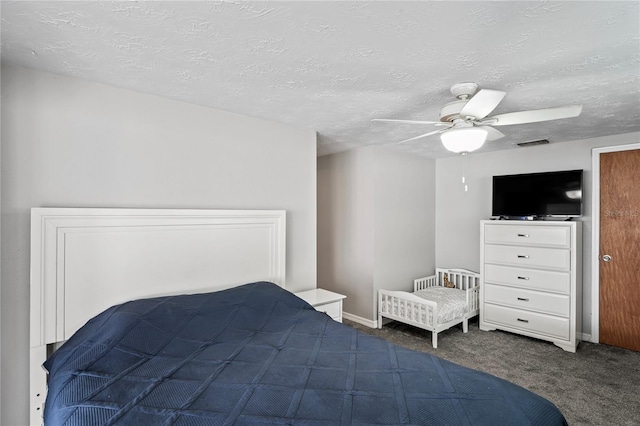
pixel 531 222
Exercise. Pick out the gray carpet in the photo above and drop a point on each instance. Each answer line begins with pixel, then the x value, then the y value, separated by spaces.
pixel 598 385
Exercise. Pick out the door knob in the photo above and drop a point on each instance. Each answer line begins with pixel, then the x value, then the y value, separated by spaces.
pixel 606 258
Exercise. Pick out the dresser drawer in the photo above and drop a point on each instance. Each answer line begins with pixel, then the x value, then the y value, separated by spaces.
pixel 535 257
pixel 549 303
pixel 550 236
pixel 534 279
pixel 547 325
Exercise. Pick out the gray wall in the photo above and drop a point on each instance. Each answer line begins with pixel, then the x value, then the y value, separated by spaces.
pixel 458 213
pixel 404 217
pixel 376 218
pixel 345 227
pixel 67 142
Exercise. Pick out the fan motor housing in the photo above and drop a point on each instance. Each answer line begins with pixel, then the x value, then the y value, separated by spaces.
pixel 451 111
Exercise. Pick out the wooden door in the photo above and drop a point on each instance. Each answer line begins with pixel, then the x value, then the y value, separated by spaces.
pixel 620 239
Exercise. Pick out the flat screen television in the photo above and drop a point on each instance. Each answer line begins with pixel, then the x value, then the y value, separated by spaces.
pixel 538 195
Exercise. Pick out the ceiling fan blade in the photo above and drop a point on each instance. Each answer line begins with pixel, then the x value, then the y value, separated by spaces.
pixel 492 134
pixel 533 116
pixel 482 103
pixel 412 121
pixel 422 136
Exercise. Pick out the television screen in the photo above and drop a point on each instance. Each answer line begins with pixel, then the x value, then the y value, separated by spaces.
pixel 538 194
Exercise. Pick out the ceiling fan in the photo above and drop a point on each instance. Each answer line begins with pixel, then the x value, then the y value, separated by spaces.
pixel 466 123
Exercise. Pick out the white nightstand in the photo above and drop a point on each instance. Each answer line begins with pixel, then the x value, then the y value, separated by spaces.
pixel 324 301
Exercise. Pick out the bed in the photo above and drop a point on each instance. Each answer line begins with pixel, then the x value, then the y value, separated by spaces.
pixel 433 306
pixel 223 352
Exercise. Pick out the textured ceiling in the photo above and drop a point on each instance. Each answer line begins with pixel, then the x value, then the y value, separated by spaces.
pixel 334 66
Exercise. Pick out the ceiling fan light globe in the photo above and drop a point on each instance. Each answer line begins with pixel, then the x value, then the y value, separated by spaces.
pixel 463 140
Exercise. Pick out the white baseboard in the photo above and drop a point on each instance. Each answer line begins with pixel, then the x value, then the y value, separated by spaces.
pixel 366 322
pixel 374 324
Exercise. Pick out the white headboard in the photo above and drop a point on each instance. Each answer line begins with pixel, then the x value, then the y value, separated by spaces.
pixel 85 260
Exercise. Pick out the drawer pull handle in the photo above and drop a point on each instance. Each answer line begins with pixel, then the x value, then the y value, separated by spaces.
pixel 523 278
pixel 523 299
pixel 523 320
pixel 523 235
pixel 523 256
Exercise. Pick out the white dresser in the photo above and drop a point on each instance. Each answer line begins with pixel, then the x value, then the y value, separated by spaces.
pixel 531 279
pixel 324 301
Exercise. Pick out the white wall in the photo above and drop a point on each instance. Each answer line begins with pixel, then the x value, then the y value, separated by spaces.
pixel 376 218
pixel 67 142
pixel 458 213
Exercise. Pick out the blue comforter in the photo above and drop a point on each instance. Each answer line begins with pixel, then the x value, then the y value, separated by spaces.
pixel 257 354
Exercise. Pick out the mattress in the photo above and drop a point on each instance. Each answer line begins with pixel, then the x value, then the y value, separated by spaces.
pixel 257 354
pixel 452 302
